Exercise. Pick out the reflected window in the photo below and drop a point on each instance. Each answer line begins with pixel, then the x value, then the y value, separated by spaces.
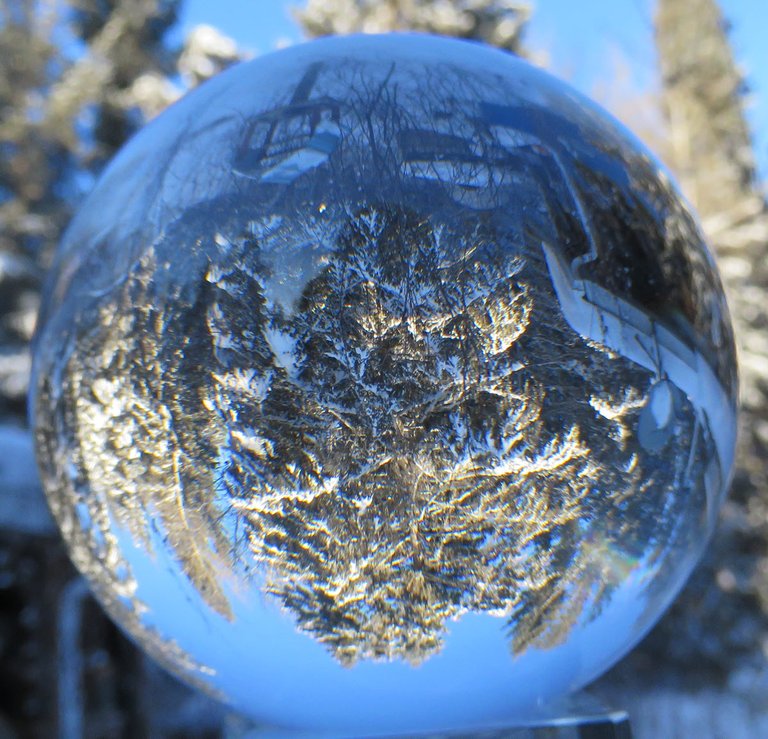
pixel 282 144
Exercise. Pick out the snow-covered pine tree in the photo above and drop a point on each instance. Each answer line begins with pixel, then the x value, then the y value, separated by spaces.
pixel 497 22
pixel 711 153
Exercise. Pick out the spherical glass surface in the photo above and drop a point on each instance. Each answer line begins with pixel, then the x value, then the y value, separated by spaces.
pixel 385 384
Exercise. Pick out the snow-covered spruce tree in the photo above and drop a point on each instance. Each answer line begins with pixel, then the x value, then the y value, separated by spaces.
pixel 497 22
pixel 711 153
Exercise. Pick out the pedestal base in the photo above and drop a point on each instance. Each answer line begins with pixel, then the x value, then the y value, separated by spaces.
pixel 584 718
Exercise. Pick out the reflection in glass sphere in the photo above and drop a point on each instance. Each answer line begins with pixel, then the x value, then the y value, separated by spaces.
pixel 385 383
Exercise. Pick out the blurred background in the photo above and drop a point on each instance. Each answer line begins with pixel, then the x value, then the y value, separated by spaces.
pixel 77 78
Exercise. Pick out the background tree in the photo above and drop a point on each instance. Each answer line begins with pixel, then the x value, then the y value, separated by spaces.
pixel 497 22
pixel 75 81
pixel 30 167
pixel 722 616
pixel 62 120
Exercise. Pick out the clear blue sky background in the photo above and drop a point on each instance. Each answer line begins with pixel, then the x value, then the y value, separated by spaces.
pixel 582 41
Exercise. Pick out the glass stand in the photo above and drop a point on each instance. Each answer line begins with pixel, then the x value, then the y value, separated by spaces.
pixel 582 718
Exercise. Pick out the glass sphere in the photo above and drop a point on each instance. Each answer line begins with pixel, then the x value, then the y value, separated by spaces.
pixel 385 384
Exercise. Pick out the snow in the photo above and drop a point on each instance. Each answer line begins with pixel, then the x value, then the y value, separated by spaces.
pixel 283 348
pixel 15 368
pixel 708 713
pixel 13 267
pixel 22 506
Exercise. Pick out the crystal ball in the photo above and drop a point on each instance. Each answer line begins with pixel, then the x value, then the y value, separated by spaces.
pixel 385 384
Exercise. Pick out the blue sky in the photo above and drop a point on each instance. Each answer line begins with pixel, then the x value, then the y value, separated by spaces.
pixel 582 41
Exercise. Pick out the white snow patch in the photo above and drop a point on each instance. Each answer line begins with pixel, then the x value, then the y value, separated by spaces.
pixel 706 714
pixel 284 349
pixel 249 439
pixel 23 506
pixel 661 404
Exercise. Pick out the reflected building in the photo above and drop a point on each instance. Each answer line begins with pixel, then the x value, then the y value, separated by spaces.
pixel 280 145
